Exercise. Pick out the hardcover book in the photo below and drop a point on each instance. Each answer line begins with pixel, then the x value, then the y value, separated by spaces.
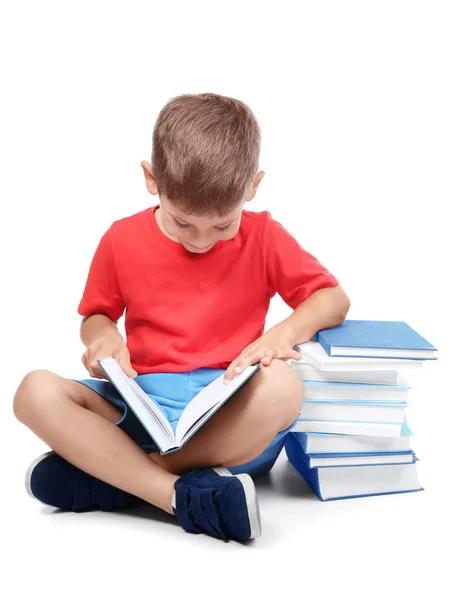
pixel 335 483
pixel 319 461
pixel 315 354
pixel 375 339
pixel 360 392
pixel 308 372
pixel 373 412
pixel 326 443
pixel 357 428
pixel 196 413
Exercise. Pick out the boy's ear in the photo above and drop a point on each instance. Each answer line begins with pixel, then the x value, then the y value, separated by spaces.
pixel 150 180
pixel 253 188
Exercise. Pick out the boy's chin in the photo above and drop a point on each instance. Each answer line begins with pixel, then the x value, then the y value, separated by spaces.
pixel 198 250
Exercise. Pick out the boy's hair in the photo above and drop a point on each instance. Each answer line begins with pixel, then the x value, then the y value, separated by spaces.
pixel 205 153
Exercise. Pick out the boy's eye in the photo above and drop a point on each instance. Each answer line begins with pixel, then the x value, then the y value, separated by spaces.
pixel 186 225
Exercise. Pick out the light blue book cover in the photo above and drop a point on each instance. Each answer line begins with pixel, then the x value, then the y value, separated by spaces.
pixel 396 336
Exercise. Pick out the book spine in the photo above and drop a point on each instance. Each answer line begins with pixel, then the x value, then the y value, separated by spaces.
pixel 310 476
pixel 327 347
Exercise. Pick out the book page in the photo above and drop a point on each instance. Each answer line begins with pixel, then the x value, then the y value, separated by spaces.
pixel 216 393
pixel 145 409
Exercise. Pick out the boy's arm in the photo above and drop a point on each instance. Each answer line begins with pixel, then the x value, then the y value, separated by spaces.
pixel 325 308
pixel 95 326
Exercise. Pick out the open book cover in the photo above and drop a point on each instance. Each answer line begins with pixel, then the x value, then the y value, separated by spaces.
pixel 196 413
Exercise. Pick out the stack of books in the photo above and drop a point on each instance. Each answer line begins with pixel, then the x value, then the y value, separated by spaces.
pixel 352 438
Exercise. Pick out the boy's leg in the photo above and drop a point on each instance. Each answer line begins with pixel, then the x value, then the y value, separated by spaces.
pixel 244 427
pixel 78 424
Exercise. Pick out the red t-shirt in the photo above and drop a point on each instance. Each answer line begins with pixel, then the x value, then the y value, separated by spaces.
pixel 186 310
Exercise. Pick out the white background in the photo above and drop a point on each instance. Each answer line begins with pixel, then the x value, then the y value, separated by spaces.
pixel 354 100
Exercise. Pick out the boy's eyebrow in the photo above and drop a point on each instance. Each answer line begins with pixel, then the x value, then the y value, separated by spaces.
pixel 186 223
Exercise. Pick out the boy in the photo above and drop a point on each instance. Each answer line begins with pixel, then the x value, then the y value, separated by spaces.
pixel 196 274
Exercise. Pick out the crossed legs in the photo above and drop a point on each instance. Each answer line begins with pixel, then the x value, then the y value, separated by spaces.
pixel 78 424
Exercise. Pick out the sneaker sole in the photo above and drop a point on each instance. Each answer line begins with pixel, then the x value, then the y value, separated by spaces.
pixel 29 473
pixel 251 499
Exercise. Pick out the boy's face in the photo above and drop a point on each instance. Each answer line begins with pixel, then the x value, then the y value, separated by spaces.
pixel 197 234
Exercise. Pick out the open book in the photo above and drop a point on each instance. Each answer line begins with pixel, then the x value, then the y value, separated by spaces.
pixel 196 413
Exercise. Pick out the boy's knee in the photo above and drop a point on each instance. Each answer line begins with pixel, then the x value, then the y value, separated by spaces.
pixel 285 392
pixel 29 393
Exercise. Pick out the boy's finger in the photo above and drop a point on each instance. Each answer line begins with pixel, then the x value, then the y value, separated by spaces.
pixel 237 370
pixel 129 370
pixel 233 370
pixel 239 364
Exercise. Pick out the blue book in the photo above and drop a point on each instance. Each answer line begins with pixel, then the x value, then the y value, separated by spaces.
pixel 337 483
pixel 375 339
pixel 324 443
pixel 170 437
pixel 321 461
pixel 345 459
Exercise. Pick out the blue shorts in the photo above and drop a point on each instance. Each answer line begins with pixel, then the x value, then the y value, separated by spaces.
pixel 173 391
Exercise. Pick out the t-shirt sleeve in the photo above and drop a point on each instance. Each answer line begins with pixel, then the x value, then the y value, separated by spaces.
pixel 292 272
pixel 102 292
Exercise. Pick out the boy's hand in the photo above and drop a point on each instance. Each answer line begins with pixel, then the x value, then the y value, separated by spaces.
pixel 275 343
pixel 111 344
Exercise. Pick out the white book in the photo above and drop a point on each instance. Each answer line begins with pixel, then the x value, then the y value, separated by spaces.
pixel 391 458
pixel 315 354
pixel 325 443
pixel 350 482
pixel 196 413
pixel 308 372
pixel 360 392
pixel 378 412
pixel 348 427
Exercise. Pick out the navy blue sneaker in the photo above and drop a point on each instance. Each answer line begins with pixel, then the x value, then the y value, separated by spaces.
pixel 215 502
pixel 53 480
